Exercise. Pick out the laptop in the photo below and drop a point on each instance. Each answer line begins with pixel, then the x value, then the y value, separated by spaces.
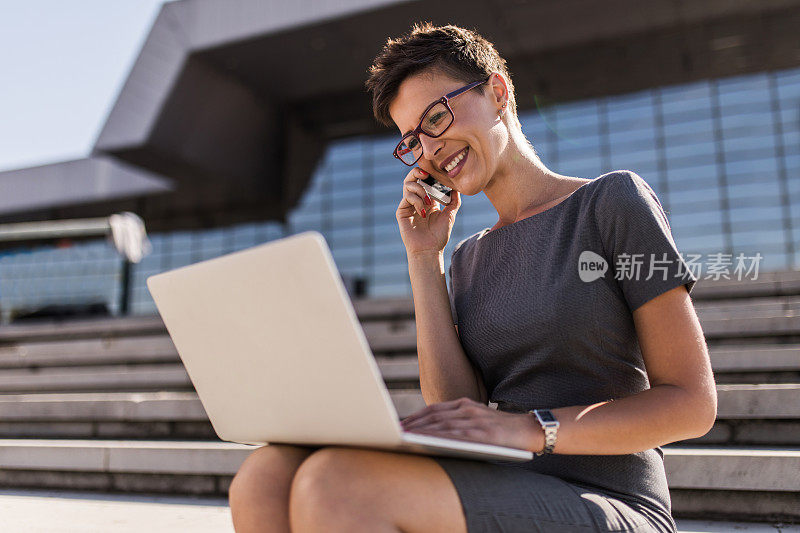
pixel 276 353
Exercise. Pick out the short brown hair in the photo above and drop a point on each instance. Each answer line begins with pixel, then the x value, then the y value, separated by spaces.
pixel 459 53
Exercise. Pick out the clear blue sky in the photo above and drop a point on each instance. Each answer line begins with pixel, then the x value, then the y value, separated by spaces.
pixel 62 63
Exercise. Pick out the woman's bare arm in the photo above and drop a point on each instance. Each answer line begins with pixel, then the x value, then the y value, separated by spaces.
pixel 681 403
pixel 445 372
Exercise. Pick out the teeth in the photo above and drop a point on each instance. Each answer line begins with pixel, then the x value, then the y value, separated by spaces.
pixel 455 161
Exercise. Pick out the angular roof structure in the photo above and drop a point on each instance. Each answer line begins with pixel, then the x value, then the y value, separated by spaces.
pixel 231 103
pixel 82 181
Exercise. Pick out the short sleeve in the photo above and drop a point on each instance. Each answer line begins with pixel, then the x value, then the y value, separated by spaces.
pixel 637 240
pixel 450 295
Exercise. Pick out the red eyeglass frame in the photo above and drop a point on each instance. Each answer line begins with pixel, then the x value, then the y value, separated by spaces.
pixel 443 100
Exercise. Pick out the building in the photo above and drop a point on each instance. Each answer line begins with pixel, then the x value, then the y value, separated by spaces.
pixel 244 121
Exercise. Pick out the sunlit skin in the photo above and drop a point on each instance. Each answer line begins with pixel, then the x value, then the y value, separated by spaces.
pixel 500 163
pixel 290 488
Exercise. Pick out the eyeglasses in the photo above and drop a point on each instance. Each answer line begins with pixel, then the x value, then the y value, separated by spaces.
pixel 435 120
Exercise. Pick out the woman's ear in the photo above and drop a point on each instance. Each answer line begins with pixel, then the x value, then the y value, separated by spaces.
pixel 499 90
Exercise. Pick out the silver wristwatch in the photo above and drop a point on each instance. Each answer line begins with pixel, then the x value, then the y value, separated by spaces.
pixel 550 427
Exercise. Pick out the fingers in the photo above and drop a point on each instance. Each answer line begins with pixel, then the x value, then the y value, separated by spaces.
pixel 411 203
pixel 414 195
pixel 414 174
pixel 455 201
pixel 452 423
pixel 435 408
pixel 417 196
pixel 455 197
pixel 438 420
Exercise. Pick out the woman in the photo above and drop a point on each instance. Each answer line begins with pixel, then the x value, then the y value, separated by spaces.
pixel 552 319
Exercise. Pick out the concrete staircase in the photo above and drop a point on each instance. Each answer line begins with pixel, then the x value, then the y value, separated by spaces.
pixel 106 404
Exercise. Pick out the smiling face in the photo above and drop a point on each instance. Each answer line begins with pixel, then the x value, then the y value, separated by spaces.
pixel 477 135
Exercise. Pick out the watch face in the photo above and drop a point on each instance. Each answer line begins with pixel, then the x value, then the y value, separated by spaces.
pixel 546 416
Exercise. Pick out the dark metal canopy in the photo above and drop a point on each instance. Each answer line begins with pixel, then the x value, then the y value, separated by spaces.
pixel 233 102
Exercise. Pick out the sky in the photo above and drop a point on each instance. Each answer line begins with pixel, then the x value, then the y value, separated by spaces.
pixel 62 64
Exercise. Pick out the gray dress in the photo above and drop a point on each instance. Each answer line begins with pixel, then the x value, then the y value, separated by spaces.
pixel 544 332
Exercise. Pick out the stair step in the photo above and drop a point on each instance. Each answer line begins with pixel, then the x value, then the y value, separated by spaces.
pixel 781 283
pixel 72 511
pixel 754 469
pixel 110 364
pixel 746 414
pixel 767 469
pixel 762 469
pixel 736 401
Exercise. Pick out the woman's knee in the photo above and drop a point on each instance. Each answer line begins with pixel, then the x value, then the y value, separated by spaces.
pixel 267 472
pixel 348 489
pixel 336 480
pixel 321 490
pixel 316 473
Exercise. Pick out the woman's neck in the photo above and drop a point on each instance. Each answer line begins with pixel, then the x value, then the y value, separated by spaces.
pixel 522 184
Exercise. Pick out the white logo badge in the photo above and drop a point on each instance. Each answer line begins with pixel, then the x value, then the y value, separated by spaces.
pixel 591 266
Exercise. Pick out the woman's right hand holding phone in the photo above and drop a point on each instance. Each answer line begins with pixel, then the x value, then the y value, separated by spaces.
pixel 429 233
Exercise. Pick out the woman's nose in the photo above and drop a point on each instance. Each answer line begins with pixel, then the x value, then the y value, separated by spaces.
pixel 430 146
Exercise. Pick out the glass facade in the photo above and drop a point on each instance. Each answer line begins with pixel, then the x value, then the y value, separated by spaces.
pixel 723 156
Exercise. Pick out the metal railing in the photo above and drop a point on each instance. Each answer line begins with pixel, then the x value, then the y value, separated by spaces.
pixel 125 231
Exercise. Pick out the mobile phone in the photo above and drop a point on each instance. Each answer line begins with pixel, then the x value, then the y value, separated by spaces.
pixel 435 190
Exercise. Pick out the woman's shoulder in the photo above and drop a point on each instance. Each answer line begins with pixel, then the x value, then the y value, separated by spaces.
pixel 465 243
pixel 460 256
pixel 608 195
pixel 619 187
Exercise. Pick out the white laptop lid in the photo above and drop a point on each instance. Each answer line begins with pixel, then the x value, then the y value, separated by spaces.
pixel 274 348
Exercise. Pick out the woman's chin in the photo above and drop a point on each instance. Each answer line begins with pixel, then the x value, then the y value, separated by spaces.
pixel 467 190
pixel 467 186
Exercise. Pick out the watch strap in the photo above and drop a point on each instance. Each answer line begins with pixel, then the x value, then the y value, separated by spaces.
pixel 550 429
